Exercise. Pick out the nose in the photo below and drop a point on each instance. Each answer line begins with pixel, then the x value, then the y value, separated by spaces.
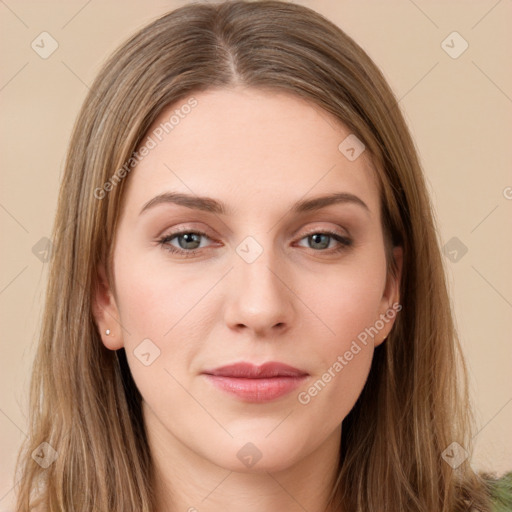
pixel 260 299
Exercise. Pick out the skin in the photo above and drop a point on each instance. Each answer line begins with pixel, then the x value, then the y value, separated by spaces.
pixel 299 302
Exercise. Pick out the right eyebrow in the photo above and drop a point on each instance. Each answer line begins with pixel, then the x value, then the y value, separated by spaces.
pixel 207 204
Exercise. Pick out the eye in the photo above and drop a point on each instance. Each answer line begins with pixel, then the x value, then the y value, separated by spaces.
pixel 320 240
pixel 189 242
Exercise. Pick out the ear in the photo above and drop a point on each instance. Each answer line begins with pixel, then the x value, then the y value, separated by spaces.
pixel 390 304
pixel 105 312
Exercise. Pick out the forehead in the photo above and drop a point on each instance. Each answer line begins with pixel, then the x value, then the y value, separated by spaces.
pixel 250 148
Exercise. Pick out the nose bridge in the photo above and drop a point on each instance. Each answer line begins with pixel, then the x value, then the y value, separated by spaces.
pixel 260 299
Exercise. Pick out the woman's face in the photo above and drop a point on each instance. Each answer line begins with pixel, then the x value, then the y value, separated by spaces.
pixel 261 271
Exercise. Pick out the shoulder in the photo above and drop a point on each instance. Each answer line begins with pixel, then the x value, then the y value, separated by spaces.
pixel 501 492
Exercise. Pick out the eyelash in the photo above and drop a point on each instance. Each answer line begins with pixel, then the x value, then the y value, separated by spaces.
pixel 344 242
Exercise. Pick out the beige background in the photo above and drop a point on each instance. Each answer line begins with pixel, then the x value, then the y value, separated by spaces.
pixel 459 111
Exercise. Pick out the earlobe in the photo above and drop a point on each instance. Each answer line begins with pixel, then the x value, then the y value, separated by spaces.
pixel 105 312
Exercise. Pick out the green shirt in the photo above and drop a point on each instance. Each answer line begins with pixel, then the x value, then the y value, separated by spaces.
pixel 501 493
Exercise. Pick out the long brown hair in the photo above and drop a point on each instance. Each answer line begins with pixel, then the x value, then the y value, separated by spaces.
pixel 84 402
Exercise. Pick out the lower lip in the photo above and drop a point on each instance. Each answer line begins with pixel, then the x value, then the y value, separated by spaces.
pixel 256 390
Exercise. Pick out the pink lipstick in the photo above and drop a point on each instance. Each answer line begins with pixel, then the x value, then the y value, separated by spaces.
pixel 252 383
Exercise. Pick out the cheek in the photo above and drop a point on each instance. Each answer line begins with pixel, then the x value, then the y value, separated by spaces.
pixel 163 313
pixel 344 360
pixel 157 301
pixel 331 394
pixel 163 318
pixel 347 300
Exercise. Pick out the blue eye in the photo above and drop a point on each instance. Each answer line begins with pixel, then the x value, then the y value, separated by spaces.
pixel 189 247
pixel 190 242
pixel 321 240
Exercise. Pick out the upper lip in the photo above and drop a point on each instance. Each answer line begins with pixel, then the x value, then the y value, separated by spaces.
pixel 251 371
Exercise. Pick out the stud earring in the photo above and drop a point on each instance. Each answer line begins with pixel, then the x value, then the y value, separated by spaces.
pixel 107 332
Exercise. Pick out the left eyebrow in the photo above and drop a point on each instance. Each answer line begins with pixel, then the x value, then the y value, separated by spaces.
pixel 214 206
pixel 308 205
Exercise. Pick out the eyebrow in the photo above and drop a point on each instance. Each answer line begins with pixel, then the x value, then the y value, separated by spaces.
pixel 211 205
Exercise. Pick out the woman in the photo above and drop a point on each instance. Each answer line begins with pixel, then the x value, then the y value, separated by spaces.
pixel 246 308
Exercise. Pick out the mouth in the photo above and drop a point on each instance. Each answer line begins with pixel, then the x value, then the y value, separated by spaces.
pixel 251 383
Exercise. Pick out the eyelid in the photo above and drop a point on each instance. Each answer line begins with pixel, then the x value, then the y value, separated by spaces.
pixel 343 242
pixel 175 234
pixel 185 227
pixel 188 228
pixel 344 232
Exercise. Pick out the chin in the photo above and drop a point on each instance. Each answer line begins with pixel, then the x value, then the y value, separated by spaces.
pixel 253 452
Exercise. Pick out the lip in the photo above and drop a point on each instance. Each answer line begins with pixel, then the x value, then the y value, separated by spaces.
pixel 252 383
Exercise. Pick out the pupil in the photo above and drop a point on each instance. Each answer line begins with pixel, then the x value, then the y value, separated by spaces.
pixel 189 238
pixel 316 239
